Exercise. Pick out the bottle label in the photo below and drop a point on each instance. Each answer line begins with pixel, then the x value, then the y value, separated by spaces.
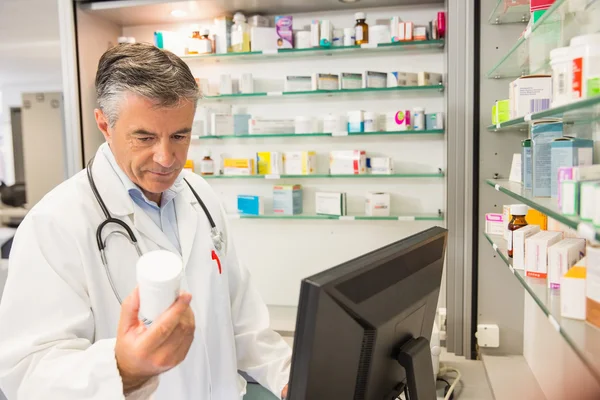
pixel 207 167
pixel 510 241
pixel 359 33
pixel 577 78
pixel 205 47
pixel 237 38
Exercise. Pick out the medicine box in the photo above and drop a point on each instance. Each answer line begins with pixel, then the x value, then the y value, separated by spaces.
pixel 348 162
pixel 429 78
pixel 592 288
pixel 434 121
pixel 535 217
pixel 331 203
pixel 526 164
pixel 325 82
pixel 520 236
pixel 246 83
pixel 225 84
pixel 372 79
pixel 377 204
pixel 356 121
pixel 238 166
pixel 561 257
pixel 300 162
pixel 493 224
pixel 569 152
pixel 221 124
pixel 572 293
pixel 241 124
pixel 298 83
pixel 262 38
pixel 287 199
pixel 258 126
pixel 404 79
pixel 189 165
pixel 258 20
pixel 587 200
pixel 250 205
pixel 398 121
pixel 381 165
pixel 501 111
pixel 285 34
pixel 536 253
pixel 350 80
pixel 536 5
pixel 542 135
pixel 223 34
pixel 269 162
pixel 529 94
pixel 597 208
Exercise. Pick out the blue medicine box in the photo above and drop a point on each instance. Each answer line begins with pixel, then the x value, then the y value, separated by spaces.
pixel 542 135
pixel 250 205
pixel 570 152
pixel 287 199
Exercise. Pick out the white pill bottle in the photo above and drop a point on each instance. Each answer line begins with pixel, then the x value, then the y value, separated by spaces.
pixel 159 275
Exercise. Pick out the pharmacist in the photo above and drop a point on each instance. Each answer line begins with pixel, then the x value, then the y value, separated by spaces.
pixel 63 332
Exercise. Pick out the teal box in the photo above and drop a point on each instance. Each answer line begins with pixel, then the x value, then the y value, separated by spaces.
pixel 569 152
pixel 542 135
pixel 526 164
pixel 240 124
pixel 287 199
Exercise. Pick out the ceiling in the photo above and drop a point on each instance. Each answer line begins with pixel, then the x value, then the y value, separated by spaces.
pixel 30 45
pixel 145 12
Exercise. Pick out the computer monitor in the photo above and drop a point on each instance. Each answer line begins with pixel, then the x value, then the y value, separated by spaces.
pixel 363 327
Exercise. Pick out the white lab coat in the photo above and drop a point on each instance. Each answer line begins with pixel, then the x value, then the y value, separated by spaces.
pixel 59 316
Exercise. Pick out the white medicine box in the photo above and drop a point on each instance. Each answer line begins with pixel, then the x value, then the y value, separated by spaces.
pixel 529 94
pixel 377 204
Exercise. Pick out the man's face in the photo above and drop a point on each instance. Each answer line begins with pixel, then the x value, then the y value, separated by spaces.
pixel 150 144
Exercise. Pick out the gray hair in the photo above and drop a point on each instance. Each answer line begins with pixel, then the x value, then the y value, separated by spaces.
pixel 146 71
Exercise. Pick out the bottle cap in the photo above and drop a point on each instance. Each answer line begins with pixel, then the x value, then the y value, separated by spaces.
pixel 206 152
pixel 239 17
pixel 360 15
pixel 518 209
pixel 205 32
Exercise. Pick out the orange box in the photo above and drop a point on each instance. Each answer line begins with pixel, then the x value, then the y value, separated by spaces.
pixel 535 217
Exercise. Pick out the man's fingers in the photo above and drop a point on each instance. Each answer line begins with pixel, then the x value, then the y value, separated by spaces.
pixel 129 312
pixel 164 325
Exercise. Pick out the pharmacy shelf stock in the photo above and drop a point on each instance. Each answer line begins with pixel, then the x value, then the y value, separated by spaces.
pixel 582 337
pixel 546 205
pixel 369 48
pixel 530 54
pixel 331 176
pixel 342 134
pixel 402 218
pixel 340 92
pixel 503 13
pixel 581 112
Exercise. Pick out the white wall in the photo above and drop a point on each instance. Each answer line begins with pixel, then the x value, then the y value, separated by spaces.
pixel 281 253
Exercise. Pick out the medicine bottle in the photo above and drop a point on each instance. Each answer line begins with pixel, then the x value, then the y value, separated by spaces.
pixel 518 211
pixel 207 165
pixel 361 29
pixel 194 43
pixel 205 45
pixel 240 34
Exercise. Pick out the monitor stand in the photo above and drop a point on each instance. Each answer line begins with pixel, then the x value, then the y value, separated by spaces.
pixel 415 357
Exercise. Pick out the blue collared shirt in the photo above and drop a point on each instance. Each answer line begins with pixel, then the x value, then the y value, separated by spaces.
pixel 164 216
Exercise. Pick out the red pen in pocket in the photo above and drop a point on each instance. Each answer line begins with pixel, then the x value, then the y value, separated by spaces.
pixel 216 258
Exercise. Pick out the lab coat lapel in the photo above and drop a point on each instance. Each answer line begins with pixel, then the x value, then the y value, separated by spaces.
pixel 144 224
pixel 187 221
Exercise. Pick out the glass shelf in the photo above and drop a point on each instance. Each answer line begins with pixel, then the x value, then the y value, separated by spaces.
pixel 583 112
pixel 561 22
pixel 582 337
pixel 300 135
pixel 439 88
pixel 505 14
pixel 320 51
pixel 402 218
pixel 328 176
pixel 546 205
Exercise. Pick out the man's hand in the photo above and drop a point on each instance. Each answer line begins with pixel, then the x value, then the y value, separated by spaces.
pixel 284 392
pixel 144 352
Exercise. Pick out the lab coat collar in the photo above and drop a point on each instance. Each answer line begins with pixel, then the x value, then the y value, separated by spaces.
pixel 187 220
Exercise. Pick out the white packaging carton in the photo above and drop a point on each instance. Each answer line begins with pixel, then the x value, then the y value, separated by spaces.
pixel 561 257
pixel 536 253
pixel 520 236
pixel 572 293
pixel 348 162
pixel 330 203
pixel 377 204
pixel 530 94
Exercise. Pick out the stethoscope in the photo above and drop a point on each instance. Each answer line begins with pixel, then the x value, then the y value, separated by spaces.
pixel 216 236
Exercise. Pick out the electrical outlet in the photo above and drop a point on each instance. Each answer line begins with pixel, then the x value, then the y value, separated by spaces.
pixel 488 335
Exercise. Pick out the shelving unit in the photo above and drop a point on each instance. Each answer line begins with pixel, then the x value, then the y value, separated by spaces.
pixel 420 46
pixel 503 14
pixel 341 92
pixel 329 176
pixel 582 337
pixel 401 218
pixel 312 135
